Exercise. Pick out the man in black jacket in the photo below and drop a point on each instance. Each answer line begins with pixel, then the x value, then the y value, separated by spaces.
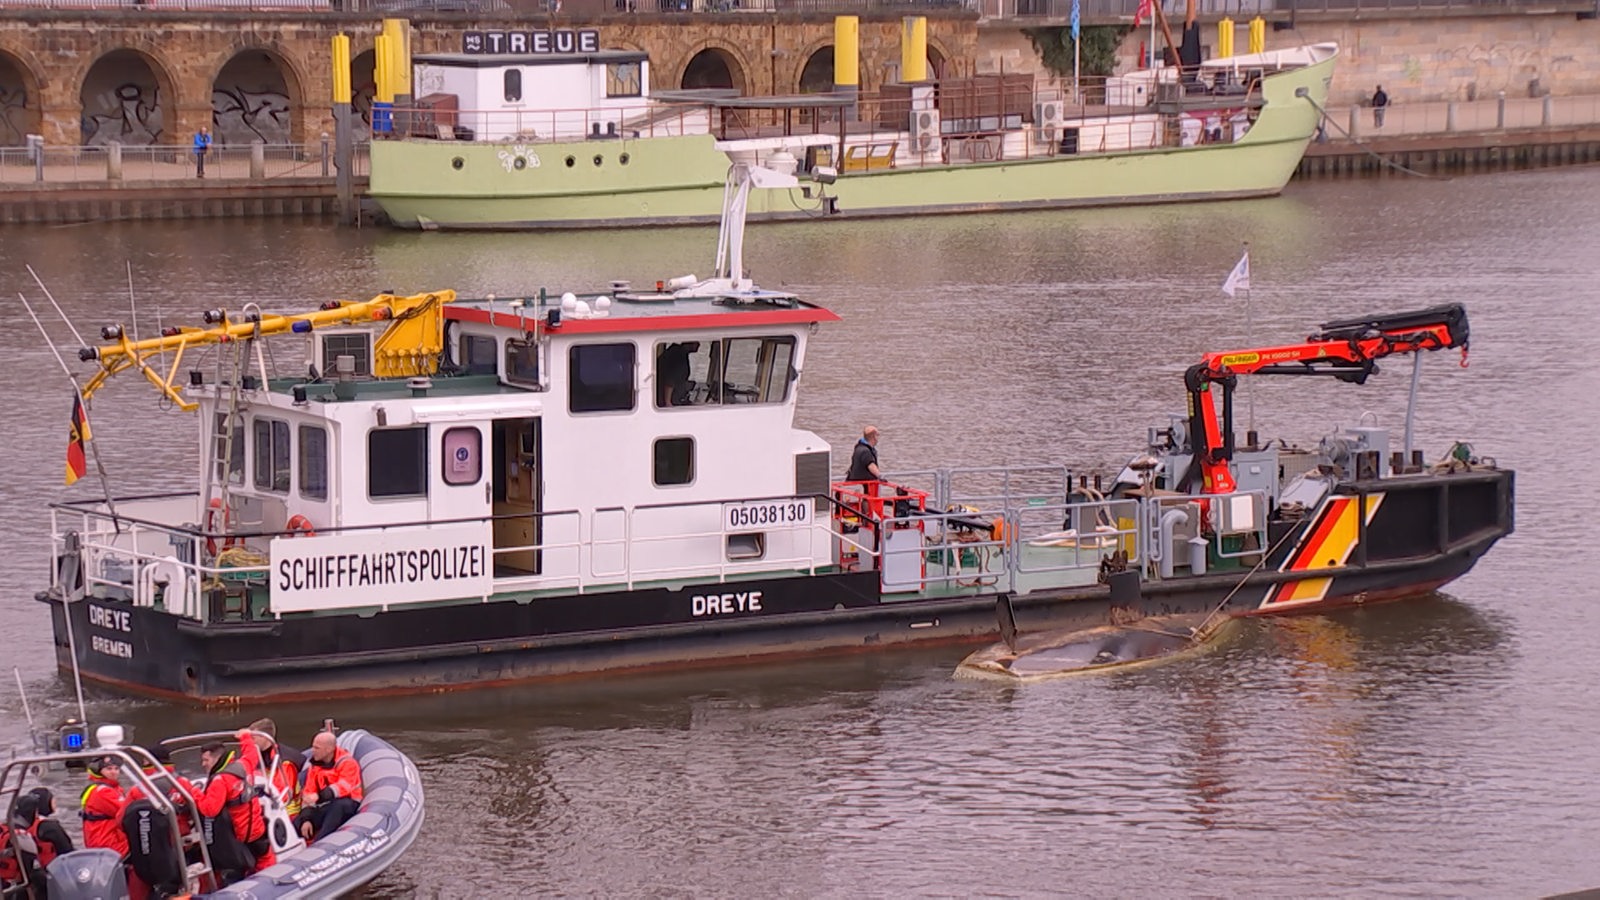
pixel 864 460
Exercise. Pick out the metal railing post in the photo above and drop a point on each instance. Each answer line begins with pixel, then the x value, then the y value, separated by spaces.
pixel 114 161
pixel 1450 116
pixel 1547 113
pixel 258 160
pixel 1355 123
pixel 1500 112
pixel 327 158
pixel 36 153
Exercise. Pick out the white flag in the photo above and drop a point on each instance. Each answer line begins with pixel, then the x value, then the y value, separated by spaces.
pixel 1239 277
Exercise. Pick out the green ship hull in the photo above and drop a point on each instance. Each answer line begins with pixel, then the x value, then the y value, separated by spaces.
pixel 680 180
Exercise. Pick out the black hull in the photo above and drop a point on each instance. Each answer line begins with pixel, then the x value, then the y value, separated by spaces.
pixel 450 647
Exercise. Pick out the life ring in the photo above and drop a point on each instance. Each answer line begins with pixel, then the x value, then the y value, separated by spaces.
pixel 218 516
pixel 299 526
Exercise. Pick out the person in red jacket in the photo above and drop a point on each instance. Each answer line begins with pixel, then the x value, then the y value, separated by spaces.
pixel 281 762
pixel 231 788
pixel 332 788
pixel 102 803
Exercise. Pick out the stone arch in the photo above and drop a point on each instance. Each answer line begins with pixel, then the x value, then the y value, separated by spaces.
pixel 937 60
pixel 816 74
pixel 715 66
pixel 20 101
pixel 127 95
pixel 257 95
pixel 363 89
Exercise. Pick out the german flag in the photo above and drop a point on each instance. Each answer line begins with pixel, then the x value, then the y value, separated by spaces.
pixel 77 463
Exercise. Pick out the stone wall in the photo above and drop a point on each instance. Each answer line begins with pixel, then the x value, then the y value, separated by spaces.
pixel 1442 57
pixel 46 59
pixel 1457 58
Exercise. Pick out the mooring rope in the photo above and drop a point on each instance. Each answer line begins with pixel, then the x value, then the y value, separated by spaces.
pixel 1327 119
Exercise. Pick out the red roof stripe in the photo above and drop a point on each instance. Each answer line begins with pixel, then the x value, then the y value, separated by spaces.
pixel 623 324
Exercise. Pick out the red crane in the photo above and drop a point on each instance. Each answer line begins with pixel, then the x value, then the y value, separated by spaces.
pixel 1347 350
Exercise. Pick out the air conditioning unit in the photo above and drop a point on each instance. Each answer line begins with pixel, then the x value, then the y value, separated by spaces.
pixel 1047 118
pixel 925 135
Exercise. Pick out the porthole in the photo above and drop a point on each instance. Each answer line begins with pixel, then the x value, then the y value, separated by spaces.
pixel 572 161
pixel 623 159
pixel 597 160
pixel 520 163
pixel 457 163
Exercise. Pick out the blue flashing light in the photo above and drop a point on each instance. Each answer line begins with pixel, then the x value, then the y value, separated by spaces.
pixel 301 327
pixel 72 739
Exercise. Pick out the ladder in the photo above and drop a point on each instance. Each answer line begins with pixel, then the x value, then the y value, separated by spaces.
pixel 232 363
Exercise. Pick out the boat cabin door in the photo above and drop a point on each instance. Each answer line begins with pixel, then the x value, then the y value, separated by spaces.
pixel 517 497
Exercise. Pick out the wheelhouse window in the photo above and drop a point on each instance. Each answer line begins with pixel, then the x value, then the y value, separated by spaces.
pixel 235 462
pixel 313 462
pixel 463 455
pixel 477 354
pixel 674 461
pixel 623 79
pixel 397 462
pixel 600 378
pixel 513 85
pixel 522 363
pixel 272 455
pixel 729 371
pixel 357 344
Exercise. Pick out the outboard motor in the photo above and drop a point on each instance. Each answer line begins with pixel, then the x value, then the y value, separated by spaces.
pixel 87 875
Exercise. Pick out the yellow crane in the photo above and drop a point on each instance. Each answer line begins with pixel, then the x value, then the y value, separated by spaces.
pixel 409 346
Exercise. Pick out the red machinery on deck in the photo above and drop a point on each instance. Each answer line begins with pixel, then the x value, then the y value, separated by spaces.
pixel 1347 350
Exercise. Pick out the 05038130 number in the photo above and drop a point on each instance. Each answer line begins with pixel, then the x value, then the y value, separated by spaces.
pixel 778 512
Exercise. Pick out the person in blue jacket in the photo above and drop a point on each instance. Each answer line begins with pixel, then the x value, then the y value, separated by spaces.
pixel 202 144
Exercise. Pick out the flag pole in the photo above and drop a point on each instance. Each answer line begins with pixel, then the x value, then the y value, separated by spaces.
pixel 77 389
pixel 1250 336
pixel 1077 54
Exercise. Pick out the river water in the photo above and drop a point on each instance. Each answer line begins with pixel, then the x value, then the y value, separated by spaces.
pixel 1441 746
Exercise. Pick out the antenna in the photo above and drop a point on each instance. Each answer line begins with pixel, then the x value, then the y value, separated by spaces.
pixel 133 308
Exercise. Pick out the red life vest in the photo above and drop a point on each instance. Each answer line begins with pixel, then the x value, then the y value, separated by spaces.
pixel 102 816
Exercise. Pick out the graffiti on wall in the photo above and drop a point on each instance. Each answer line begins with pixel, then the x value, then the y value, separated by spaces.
pixel 129 113
pixel 13 112
pixel 250 102
pixel 121 101
pixel 241 116
pixel 1471 71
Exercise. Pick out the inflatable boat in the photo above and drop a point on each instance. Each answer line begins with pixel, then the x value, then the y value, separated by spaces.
pixel 387 821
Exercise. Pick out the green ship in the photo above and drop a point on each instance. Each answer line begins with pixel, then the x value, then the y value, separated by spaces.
pixel 603 151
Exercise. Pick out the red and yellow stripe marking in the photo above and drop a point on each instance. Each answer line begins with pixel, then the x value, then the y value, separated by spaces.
pixel 1325 546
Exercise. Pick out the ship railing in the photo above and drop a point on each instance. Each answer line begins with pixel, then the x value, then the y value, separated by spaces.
pixel 1006 486
pixel 1071 537
pixel 967 548
pixel 543 126
pixel 1208 526
pixel 704 539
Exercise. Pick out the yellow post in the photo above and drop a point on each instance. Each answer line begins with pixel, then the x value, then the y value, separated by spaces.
pixel 341 68
pixel 383 68
pixel 913 49
pixel 1258 35
pixel 398 31
pixel 1225 37
pixel 846 51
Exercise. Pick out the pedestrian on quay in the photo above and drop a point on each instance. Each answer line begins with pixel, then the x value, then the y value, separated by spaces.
pixel 1380 103
pixel 202 143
